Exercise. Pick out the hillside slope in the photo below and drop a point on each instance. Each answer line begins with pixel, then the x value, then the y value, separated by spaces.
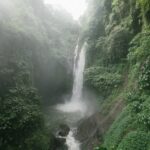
pixel 118 68
pixel 35 66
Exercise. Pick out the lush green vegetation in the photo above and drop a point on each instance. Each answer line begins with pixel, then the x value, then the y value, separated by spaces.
pixel 36 69
pixel 35 60
pixel 118 65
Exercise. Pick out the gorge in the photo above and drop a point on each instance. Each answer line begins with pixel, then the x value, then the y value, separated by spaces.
pixel 76 103
pixel 75 78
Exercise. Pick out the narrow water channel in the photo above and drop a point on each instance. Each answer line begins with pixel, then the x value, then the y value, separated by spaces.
pixel 75 104
pixel 71 142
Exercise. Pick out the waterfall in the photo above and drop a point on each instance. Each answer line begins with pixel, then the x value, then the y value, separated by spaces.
pixel 77 107
pixel 75 58
pixel 76 104
pixel 71 142
pixel 79 64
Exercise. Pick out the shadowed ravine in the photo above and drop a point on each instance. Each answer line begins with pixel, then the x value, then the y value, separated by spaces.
pixel 74 74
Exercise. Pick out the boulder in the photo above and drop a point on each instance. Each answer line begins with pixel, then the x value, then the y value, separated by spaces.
pixel 63 130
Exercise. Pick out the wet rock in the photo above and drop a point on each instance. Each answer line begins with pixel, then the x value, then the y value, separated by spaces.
pixel 89 132
pixel 63 130
pixel 57 143
pixel 59 138
pixel 60 144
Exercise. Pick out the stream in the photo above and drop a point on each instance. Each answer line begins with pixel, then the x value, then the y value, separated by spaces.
pixel 71 111
pixel 75 109
pixel 76 105
pixel 71 142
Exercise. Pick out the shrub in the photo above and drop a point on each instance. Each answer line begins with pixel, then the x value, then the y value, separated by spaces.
pixel 135 101
pixel 139 107
pixel 143 117
pixel 140 47
pixel 102 79
pixel 20 116
pixel 38 141
pixel 118 44
pixel 118 130
pixel 145 6
pixel 136 140
pixel 144 79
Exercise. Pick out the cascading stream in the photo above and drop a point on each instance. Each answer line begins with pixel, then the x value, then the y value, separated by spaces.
pixel 76 103
pixel 71 142
pixel 78 74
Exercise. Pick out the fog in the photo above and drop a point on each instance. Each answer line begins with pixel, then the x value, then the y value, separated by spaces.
pixel 67 72
pixel 44 40
pixel 78 102
pixel 75 7
pixel 38 61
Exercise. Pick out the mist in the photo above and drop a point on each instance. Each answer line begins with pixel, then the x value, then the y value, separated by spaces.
pixel 40 54
pixel 78 102
pixel 74 74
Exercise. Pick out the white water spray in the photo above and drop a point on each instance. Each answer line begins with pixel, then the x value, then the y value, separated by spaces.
pixel 76 104
pixel 78 75
pixel 71 142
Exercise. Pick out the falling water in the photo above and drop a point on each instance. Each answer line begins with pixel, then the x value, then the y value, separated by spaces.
pixel 76 104
pixel 78 74
pixel 71 142
pixel 77 107
pixel 75 58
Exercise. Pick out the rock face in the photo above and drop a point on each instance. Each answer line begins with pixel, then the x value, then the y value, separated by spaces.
pixel 59 138
pixel 91 130
pixel 58 144
pixel 63 130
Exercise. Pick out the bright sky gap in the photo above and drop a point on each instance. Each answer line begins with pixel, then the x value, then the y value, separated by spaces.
pixel 75 7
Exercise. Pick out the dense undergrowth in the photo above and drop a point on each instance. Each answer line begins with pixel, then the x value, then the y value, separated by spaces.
pixel 118 67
